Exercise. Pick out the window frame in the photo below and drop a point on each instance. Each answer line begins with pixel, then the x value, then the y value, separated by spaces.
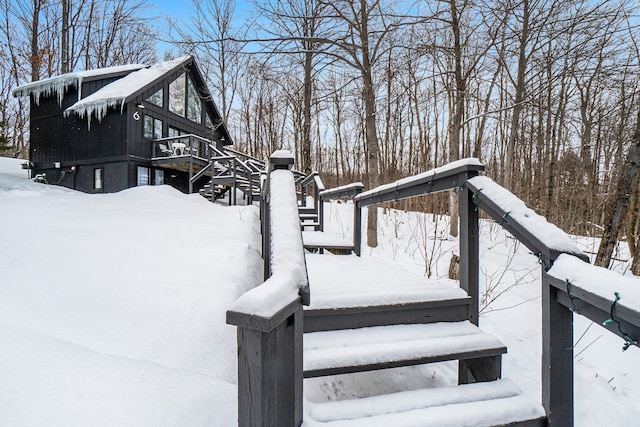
pixel 98 179
pixel 139 169
pixel 156 125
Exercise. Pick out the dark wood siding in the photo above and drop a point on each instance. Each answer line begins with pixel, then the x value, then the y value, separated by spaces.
pixel 56 138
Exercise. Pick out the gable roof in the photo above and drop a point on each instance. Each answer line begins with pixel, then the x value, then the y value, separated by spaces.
pixel 122 90
pixel 134 80
pixel 59 84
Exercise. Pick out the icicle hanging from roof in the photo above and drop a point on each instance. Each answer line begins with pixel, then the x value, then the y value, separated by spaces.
pixel 58 85
pixel 118 92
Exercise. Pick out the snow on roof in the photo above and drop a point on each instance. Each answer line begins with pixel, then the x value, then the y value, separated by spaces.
pixel 118 91
pixel 59 84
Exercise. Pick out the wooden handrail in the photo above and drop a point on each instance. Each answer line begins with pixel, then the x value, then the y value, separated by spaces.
pixel 539 236
pixel 349 190
pixel 439 179
pixel 448 177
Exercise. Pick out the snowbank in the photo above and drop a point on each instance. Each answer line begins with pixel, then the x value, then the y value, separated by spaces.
pixel 112 307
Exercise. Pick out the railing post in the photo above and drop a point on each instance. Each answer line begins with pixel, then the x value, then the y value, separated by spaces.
pixel 357 227
pixel 303 196
pixel 557 355
pixel 265 220
pixel 235 182
pixel 276 161
pixel 270 374
pixel 320 213
pixel 469 245
pixel 316 197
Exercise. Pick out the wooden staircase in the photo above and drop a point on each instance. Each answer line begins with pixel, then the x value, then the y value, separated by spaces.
pixel 368 315
pixel 363 315
pixel 498 403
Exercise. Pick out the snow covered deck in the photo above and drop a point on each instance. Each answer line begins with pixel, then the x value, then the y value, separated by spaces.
pixel 350 281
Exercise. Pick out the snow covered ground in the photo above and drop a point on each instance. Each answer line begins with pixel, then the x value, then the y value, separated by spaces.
pixel 112 309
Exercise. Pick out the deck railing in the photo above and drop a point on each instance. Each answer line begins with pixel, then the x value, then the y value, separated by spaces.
pixel 344 191
pixel 269 317
pixel 184 145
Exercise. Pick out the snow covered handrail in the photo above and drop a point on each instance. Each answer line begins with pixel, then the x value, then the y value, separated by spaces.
pixel 443 178
pixel 543 238
pixel 349 190
pixel 286 278
pixel 448 177
pixel 312 179
pixel 269 317
pixel 602 295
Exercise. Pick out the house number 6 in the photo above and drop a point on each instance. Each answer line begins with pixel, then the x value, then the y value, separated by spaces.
pixel 136 116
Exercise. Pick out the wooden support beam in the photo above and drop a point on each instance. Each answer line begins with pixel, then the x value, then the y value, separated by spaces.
pixel 357 228
pixel 270 375
pixel 480 369
pixel 469 246
pixel 557 356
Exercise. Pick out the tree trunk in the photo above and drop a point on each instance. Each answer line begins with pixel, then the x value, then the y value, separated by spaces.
pixel 519 98
pixel 455 122
pixel 619 205
pixel 35 51
pixel 306 127
pixel 370 126
pixel 64 39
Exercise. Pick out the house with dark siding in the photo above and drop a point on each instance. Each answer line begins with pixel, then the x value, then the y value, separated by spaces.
pixel 113 128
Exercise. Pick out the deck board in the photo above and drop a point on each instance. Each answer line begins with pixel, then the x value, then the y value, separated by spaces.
pixel 351 281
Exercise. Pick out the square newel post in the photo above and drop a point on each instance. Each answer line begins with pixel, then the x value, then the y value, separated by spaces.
pixel 469 245
pixel 270 374
pixel 357 227
pixel 557 356
pixel 320 213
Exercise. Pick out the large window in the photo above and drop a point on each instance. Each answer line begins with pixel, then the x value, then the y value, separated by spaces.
pixel 177 98
pixel 157 98
pixel 143 175
pixel 152 127
pixel 174 132
pixel 207 121
pixel 184 99
pixel 158 177
pixel 194 104
pixel 97 178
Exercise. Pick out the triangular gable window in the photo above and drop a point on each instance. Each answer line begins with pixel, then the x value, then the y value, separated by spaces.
pixel 184 99
pixel 207 121
pixel 194 104
pixel 157 98
pixel 177 96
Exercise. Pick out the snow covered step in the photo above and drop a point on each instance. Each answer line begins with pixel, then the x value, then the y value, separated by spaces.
pixel 354 292
pixel 322 240
pixel 379 347
pixel 308 215
pixel 495 403
pixel 309 224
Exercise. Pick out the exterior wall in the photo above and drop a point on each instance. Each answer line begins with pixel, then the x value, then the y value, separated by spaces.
pixel 69 142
